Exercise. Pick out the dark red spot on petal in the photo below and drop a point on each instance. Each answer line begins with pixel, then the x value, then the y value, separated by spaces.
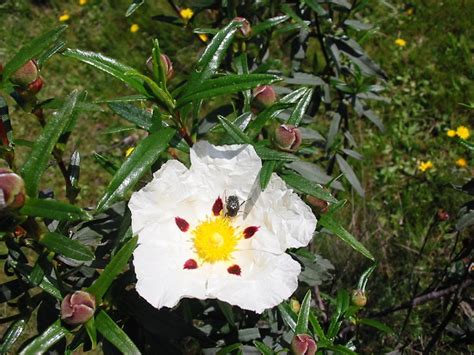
pixel 190 264
pixel 182 224
pixel 234 270
pixel 250 231
pixel 217 207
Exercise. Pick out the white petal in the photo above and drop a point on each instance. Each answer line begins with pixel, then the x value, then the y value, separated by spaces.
pixel 265 281
pixel 229 169
pixel 161 279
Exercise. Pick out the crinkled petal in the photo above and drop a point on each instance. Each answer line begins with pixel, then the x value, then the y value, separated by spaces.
pixel 161 278
pixel 265 280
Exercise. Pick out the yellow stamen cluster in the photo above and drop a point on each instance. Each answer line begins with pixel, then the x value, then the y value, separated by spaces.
pixel 215 239
pixel 423 166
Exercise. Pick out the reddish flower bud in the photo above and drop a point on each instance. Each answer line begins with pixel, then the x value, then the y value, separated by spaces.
pixel 26 74
pixel 246 29
pixel 167 65
pixel 264 96
pixel 359 298
pixel 303 344
pixel 321 205
pixel 35 86
pixel 77 307
pixel 443 215
pixel 12 190
pixel 287 137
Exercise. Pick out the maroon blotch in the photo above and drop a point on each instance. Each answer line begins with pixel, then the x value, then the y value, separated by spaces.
pixel 234 270
pixel 217 207
pixel 182 224
pixel 250 231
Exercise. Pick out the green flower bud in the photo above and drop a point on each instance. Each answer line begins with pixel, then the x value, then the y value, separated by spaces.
pixel 246 29
pixel 303 344
pixel 26 74
pixel 12 190
pixel 359 298
pixel 264 96
pixel 287 137
pixel 77 307
pixel 167 65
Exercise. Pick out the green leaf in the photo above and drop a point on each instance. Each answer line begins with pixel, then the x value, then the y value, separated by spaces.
pixel 346 169
pixel 263 348
pixel 327 221
pixel 375 324
pixel 234 132
pixel 269 23
pixel 229 349
pixel 67 247
pixel 133 7
pixel 300 109
pixel 365 277
pixel 31 51
pixel 317 329
pixel 303 315
pixel 53 209
pixel 113 333
pixel 269 154
pixel 266 115
pixel 288 316
pixel 51 336
pixel 12 334
pixel 110 66
pixel 308 187
pixel 314 5
pixel 38 159
pixel 266 173
pixel 132 114
pixel 226 310
pixel 136 165
pixel 229 84
pixel 158 92
pixel 290 12
pixel 113 268
pixel 91 331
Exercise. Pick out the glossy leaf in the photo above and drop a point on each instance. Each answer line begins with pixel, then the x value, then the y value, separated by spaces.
pixel 113 269
pixel 317 329
pixel 12 334
pixel 67 247
pixel 364 278
pixel 263 348
pixel 114 334
pixel 288 316
pixel 37 161
pixel 308 187
pixel 53 209
pixel 350 175
pixel 266 115
pixel 31 51
pixel 268 24
pixel 300 109
pixel 269 154
pixel 303 315
pixel 266 173
pixel 234 132
pixel 51 336
pixel 132 114
pixel 133 7
pixel 136 165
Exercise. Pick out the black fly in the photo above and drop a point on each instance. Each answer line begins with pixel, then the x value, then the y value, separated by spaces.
pixel 232 206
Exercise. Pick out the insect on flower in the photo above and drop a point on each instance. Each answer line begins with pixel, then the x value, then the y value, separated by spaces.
pixel 232 206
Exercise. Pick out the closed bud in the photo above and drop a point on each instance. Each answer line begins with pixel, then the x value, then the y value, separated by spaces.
pixel 167 65
pixel 359 298
pixel 443 215
pixel 77 307
pixel 12 190
pixel 26 74
pixel 295 305
pixel 287 137
pixel 264 96
pixel 321 205
pixel 34 87
pixel 303 344
pixel 246 29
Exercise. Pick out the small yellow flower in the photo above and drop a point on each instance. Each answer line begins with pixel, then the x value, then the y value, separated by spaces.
pixel 463 132
pixel 186 14
pixel 64 17
pixel 461 162
pixel 423 166
pixel 82 2
pixel 451 133
pixel 129 151
pixel 203 37
pixel 400 42
pixel 410 11
pixel 134 28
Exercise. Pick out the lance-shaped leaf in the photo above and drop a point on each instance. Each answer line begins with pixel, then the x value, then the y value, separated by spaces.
pixel 308 187
pixel 113 333
pixel 303 315
pixel 266 115
pixel 31 51
pixel 13 333
pixel 53 209
pixel 288 316
pixel 136 165
pixel 37 161
pixel 133 7
pixel 225 85
pixel 111 66
pixel 269 23
pixel 51 336
pixel 348 172
pixel 300 109
pixel 263 348
pixel 113 268
pixel 133 114
pixel 266 173
pixel 67 247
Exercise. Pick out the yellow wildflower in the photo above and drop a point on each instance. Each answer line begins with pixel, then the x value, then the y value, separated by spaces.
pixel 82 2
pixel 451 133
pixel 423 166
pixel 129 151
pixel 64 17
pixel 463 132
pixel 134 28
pixel 410 11
pixel 461 162
pixel 186 14
pixel 203 37
pixel 400 42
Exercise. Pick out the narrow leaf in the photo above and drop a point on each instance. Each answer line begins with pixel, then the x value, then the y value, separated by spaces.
pixel 308 187
pixel 346 169
pixel 266 173
pixel 132 114
pixel 263 348
pixel 113 333
pixel 268 24
pixel 67 247
pixel 376 324
pixel 133 7
pixel 288 316
pixel 234 132
pixel 300 109
pixel 53 209
pixel 303 315
pixel 13 333
pixel 51 336
pixel 136 165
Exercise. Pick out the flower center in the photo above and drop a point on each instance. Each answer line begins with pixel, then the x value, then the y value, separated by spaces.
pixel 215 239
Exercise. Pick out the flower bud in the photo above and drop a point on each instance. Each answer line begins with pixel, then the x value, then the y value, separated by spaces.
pixel 34 87
pixel 295 305
pixel 321 205
pixel 77 307
pixel 26 74
pixel 303 344
pixel 264 96
pixel 359 298
pixel 12 190
pixel 246 29
pixel 442 215
pixel 167 65
pixel 287 137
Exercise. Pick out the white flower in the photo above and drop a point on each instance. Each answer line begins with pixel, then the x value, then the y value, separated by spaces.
pixel 190 246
